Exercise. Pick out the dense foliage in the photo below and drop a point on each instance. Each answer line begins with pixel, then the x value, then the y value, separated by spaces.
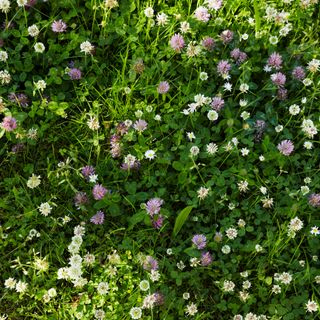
pixel 159 159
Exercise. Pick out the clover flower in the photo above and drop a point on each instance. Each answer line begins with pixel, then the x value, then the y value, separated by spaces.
pixel 177 42
pixel 285 147
pixel 98 218
pixel 59 26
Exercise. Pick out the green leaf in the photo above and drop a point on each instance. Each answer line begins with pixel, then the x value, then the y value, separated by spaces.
pixel 131 187
pixel 181 219
pixel 136 218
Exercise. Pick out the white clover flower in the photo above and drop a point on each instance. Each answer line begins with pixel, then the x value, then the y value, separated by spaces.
pixel 243 102
pixel 184 27
pixel 203 193
pixel 313 65
pixel 190 136
pixel 39 47
pixel 103 288
pixel 194 151
pixel 308 145
pixel 273 40
pixel 203 76
pixel 162 19
pixel 45 209
pixel 144 285
pixel 33 181
pixel 22 3
pixel 154 275
pixel 33 31
pixel 138 114
pixel 191 309
pixel 40 85
pixel 149 12
pixel 5 77
pixel 227 86
pixel 5 6
pixel 212 115
pixel 312 306
pixel 244 151
pixel 150 154
pixel 276 289
pixel 226 249
pixel 194 262
pixel 307 82
pixel 211 148
pixel 86 47
pixel 294 109
pixel 278 128
pixel 99 314
pixel 285 278
pixel 263 190
pixel 180 265
pixel 295 224
pixel 243 186
pixel 21 286
pixel 241 223
pixel 245 115
pixel 157 117
pixel 3 56
pixel 228 286
pixel 231 233
pixel 52 292
pixel 93 123
pixel 245 36
pixel 169 252
pixel 10 283
pixel 186 296
pixel 244 87
pixel 136 313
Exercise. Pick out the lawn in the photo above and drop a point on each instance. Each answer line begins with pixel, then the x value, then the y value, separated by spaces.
pixel 159 159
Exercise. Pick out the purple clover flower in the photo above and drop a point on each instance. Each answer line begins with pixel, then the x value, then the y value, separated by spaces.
pixel 9 123
pixel 208 43
pixel 99 191
pixel 282 94
pixel 238 55
pixel 158 298
pixel 132 166
pixel 279 79
pixel 285 147
pixel 88 171
pixel 226 36
pixel 19 147
pixel 298 73
pixel 177 42
pixel 19 98
pixel 217 103
pixel 140 125
pixel 98 218
pixel 223 68
pixel 75 74
pixel 163 87
pixel 200 241
pixel 206 259
pixel 314 200
pixel 153 206
pixel 275 61
pixel 80 199
pixel 59 26
pixel 150 264
pixel 157 221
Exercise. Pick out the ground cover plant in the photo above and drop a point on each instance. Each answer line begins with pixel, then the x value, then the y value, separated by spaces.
pixel 159 159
